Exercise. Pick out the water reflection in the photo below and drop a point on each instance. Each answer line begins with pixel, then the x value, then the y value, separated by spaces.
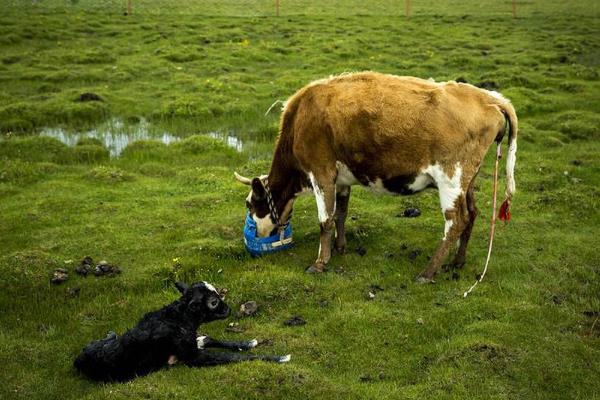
pixel 232 141
pixel 116 135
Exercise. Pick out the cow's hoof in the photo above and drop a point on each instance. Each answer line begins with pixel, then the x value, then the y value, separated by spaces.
pixel 423 279
pixel 315 269
pixel 457 264
pixel 339 250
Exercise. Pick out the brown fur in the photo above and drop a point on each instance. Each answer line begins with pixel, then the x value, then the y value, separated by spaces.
pixel 389 128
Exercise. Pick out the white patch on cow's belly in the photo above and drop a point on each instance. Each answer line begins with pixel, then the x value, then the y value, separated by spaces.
pixel 345 177
pixel 320 198
pixel 378 187
pixel 421 182
pixel 449 187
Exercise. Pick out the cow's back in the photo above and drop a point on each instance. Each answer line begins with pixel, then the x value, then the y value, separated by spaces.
pixel 402 123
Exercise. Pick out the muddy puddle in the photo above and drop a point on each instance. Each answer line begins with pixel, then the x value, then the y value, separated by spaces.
pixel 116 135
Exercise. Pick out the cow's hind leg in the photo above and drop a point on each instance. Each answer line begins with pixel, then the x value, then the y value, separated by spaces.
pixel 459 259
pixel 455 223
pixel 341 211
pixel 324 190
pixel 454 208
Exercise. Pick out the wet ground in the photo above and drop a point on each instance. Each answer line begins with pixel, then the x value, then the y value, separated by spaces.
pixel 115 135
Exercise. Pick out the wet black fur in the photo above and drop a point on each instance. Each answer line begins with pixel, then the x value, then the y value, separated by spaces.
pixel 170 331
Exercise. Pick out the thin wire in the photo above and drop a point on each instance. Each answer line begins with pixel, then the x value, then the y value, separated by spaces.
pixel 493 224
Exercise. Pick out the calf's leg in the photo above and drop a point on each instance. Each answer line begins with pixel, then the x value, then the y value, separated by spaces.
pixel 205 342
pixel 208 358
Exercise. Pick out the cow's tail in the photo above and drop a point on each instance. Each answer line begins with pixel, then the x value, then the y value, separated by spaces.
pixel 511 159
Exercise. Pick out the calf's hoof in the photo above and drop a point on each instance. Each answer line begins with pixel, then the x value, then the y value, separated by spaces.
pixel 316 268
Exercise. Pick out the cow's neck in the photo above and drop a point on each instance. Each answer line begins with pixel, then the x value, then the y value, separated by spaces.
pixel 286 180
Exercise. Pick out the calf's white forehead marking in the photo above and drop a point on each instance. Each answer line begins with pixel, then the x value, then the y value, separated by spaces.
pixel 320 198
pixel 210 287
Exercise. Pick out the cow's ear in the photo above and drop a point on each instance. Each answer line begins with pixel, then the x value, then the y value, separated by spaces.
pixel 182 287
pixel 258 189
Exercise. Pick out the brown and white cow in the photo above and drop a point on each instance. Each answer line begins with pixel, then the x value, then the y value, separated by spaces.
pixel 394 134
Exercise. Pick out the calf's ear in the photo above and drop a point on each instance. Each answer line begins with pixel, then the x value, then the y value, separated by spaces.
pixel 182 287
pixel 258 189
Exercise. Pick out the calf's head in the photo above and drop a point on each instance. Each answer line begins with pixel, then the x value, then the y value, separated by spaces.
pixel 258 205
pixel 201 302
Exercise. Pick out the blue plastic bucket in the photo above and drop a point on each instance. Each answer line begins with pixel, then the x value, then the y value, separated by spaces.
pixel 257 246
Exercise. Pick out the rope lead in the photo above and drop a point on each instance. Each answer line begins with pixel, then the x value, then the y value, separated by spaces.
pixel 493 224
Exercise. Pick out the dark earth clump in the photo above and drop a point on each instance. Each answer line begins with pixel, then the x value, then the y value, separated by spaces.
pixel 59 276
pixel 414 254
pixel 234 327
pixel 105 269
pixel 489 85
pixel 410 212
pixel 73 291
pixel 361 250
pixel 248 308
pixel 296 320
pixel 89 96
pixel 85 267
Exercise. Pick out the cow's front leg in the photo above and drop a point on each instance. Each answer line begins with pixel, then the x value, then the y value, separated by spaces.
pixel 341 211
pixel 325 197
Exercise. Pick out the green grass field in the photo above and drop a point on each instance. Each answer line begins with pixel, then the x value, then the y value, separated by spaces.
pixel 531 330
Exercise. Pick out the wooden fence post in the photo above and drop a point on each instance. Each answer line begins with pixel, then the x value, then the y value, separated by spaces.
pixel 514 8
pixel 407 8
pixel 277 8
pixel 129 7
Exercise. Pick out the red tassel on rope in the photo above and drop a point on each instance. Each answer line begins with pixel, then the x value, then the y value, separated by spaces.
pixel 504 213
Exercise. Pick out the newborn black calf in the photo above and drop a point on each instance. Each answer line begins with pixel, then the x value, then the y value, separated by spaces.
pixel 165 337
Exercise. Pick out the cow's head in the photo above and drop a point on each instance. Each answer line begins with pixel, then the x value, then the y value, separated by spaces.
pixel 258 206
